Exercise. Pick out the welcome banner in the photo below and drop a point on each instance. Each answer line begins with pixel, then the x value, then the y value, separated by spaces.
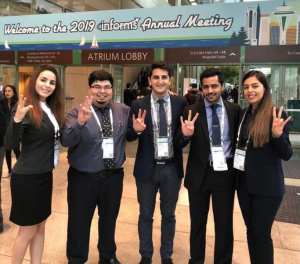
pixel 232 24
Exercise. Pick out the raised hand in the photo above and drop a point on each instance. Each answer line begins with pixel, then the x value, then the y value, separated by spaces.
pixel 138 124
pixel 278 123
pixel 22 109
pixel 187 127
pixel 84 112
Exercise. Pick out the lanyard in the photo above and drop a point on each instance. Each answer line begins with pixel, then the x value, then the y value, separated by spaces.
pixel 52 118
pixel 239 131
pixel 98 121
pixel 221 125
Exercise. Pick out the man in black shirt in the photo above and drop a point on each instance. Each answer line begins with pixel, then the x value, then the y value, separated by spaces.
pixel 128 95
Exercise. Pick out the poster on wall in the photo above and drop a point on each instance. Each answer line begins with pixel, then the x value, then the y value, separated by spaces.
pixel 251 24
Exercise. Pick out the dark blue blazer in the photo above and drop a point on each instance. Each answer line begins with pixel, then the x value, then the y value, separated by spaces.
pixel 144 162
pixel 263 168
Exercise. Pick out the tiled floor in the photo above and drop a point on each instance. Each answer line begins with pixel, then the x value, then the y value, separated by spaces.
pixel 286 237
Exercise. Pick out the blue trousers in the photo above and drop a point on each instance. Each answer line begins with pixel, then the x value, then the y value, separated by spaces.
pixel 165 180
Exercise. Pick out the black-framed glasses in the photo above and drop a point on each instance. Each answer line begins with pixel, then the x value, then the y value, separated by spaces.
pixel 99 87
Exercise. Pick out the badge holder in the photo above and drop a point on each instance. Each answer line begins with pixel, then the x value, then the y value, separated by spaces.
pixel 219 161
pixel 239 159
pixel 56 153
pixel 163 147
pixel 108 148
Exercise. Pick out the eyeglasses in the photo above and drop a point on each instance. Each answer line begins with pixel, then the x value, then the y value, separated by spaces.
pixel 99 87
pixel 213 86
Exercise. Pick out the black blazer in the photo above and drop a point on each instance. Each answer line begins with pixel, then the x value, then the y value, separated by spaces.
pixel 200 144
pixel 144 162
pixel 37 154
pixel 263 168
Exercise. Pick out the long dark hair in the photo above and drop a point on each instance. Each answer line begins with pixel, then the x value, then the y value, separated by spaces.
pixel 54 101
pixel 15 97
pixel 259 128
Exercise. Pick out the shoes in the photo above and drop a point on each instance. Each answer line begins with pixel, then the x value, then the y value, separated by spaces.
pixel 1 227
pixel 166 261
pixel 7 176
pixel 111 261
pixel 145 260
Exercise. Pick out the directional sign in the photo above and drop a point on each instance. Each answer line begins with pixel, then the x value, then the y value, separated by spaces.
pixel 45 57
pixel 203 55
pixel 286 53
pixel 7 57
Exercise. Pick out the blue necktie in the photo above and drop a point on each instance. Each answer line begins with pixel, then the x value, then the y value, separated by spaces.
pixel 215 127
pixel 162 119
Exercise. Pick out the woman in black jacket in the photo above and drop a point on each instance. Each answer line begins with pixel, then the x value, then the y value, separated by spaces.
pixel 36 123
pixel 262 142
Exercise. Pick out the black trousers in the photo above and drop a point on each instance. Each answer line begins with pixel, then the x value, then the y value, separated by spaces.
pixel 220 186
pixel 85 192
pixel 259 213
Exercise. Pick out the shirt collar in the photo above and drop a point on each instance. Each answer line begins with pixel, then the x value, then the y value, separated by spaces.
pixel 166 98
pixel 109 106
pixel 208 104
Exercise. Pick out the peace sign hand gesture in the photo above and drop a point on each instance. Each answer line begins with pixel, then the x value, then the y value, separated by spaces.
pixel 187 126
pixel 84 112
pixel 139 123
pixel 22 109
pixel 278 123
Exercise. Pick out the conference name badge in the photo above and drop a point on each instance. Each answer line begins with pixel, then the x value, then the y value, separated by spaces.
pixel 108 148
pixel 163 147
pixel 239 159
pixel 219 161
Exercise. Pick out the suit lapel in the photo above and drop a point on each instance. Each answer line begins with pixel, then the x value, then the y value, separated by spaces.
pixel 48 122
pixel 230 116
pixel 174 109
pixel 148 120
pixel 203 118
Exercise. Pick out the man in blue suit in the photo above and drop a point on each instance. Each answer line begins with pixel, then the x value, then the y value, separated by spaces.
pixel 158 165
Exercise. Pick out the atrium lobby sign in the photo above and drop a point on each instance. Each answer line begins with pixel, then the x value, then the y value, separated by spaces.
pixel 117 56
pixel 251 23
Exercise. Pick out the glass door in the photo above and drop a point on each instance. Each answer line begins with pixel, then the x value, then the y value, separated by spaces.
pixel 290 95
pixel 285 89
pixel 117 73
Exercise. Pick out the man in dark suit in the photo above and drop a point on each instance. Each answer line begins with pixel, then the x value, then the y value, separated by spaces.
pixel 158 164
pixel 3 126
pixel 129 96
pixel 209 172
